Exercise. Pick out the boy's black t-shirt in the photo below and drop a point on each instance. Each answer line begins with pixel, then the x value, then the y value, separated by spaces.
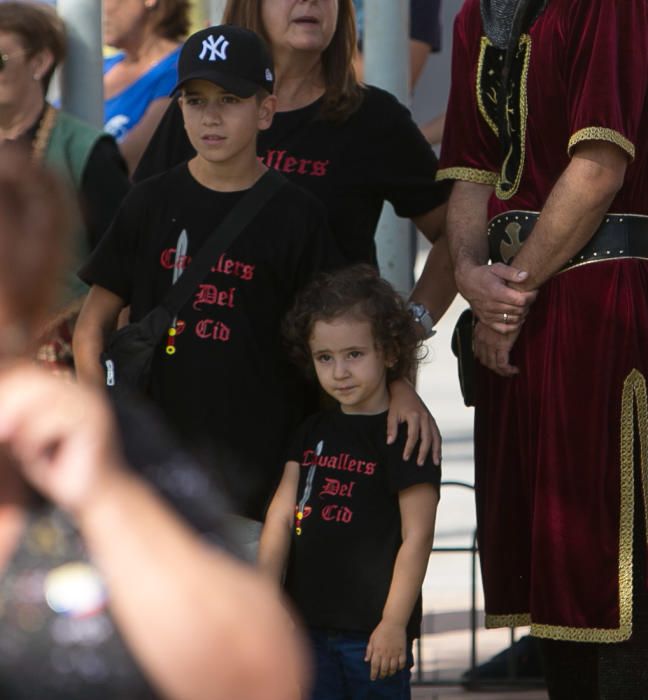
pixel 352 167
pixel 345 545
pixel 228 389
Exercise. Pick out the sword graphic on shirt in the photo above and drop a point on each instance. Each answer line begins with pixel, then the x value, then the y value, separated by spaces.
pixel 178 269
pixel 308 488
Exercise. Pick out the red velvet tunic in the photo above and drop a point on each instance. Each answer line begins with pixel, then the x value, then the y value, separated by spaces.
pixel 554 446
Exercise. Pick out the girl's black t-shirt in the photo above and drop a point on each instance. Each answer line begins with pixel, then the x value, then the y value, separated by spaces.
pixel 347 521
pixel 378 154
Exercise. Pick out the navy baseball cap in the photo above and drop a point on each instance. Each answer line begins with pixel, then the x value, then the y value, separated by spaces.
pixel 234 58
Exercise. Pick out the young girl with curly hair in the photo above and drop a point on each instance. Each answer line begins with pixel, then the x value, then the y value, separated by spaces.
pixel 351 524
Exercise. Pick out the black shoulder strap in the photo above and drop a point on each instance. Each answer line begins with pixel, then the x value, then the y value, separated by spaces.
pixel 156 321
pixel 222 238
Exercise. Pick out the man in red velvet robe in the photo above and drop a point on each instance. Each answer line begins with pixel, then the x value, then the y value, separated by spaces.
pixel 561 424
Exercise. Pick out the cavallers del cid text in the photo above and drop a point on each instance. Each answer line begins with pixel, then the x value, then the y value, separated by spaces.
pixel 341 461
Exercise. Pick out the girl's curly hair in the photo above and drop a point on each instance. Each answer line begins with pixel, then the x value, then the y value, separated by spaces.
pixel 357 291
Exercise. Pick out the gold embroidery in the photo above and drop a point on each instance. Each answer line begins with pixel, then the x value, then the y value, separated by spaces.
pixel 634 398
pixel 483 177
pixel 525 43
pixel 486 88
pixel 642 421
pixel 491 93
pixel 519 620
pixel 599 133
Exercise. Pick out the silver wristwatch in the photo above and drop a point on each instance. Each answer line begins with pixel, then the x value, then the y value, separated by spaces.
pixel 423 317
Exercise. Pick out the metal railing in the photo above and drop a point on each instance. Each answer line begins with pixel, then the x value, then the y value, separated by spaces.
pixel 470 679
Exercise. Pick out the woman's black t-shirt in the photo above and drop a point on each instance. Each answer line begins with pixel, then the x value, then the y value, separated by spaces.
pixel 378 154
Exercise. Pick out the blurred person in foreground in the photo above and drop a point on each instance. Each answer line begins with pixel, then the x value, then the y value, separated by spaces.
pixel 105 591
pixel 32 45
pixel 139 78
pixel 548 153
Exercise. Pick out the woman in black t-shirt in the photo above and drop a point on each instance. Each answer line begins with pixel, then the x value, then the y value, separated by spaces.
pixel 353 146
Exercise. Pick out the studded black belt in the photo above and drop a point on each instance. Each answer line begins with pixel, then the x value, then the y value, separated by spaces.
pixel 618 236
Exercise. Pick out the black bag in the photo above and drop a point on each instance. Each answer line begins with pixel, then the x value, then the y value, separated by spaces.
pixel 462 347
pixel 128 354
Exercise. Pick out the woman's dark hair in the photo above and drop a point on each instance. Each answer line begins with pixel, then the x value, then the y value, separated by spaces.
pixel 343 93
pixel 360 292
pixel 171 19
pixel 38 27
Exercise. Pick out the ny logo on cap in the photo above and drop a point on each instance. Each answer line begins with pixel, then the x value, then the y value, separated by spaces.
pixel 216 48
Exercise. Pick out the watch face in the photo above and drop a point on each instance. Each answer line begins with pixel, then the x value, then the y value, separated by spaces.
pixel 418 310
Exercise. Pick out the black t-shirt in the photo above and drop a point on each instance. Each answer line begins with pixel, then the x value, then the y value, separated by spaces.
pixel 104 182
pixel 104 185
pixel 228 390
pixel 425 22
pixel 352 167
pixel 345 545
pixel 58 639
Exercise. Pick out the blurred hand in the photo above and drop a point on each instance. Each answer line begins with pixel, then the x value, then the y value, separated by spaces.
pixel 60 434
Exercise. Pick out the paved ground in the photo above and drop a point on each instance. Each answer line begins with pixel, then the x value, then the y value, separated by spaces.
pixel 447 640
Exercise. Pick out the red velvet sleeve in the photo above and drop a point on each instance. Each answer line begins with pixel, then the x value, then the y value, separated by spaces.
pixel 470 149
pixel 607 64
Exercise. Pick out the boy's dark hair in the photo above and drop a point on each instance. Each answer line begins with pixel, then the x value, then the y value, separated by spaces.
pixel 358 291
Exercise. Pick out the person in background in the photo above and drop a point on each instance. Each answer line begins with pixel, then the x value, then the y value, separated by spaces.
pixel 353 146
pixel 424 35
pixel 425 38
pixel 32 45
pixel 352 523
pixel 111 581
pixel 139 78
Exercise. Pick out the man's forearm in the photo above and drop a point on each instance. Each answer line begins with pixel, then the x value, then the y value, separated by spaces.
pixel 572 213
pixel 436 287
pixel 466 224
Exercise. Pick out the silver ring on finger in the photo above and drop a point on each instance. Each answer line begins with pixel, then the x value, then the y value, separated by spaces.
pixel 505 316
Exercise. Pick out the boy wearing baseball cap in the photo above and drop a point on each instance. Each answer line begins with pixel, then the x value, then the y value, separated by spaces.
pixel 225 385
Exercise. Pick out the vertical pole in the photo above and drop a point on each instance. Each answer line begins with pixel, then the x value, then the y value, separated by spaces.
pixel 386 65
pixel 82 74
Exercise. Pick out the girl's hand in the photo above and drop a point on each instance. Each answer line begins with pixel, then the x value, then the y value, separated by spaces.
pixel 406 406
pixel 386 651
pixel 60 435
